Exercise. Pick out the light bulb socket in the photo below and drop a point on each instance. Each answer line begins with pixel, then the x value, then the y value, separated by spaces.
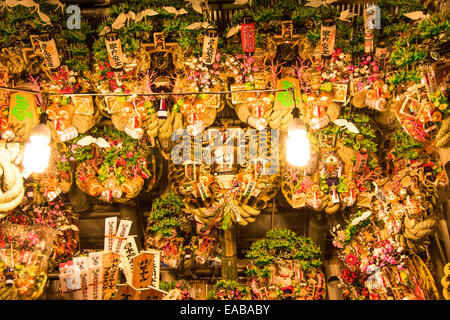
pixel 295 112
pixel 43 118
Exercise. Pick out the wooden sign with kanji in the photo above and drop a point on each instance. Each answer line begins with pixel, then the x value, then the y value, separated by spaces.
pixel 151 293
pixel 111 262
pixel 142 270
pixel 23 113
pixel 285 99
pixel 126 292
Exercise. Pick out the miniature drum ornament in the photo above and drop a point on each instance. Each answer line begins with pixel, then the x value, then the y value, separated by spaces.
pixel 94 187
pixel 67 134
pixel 436 116
pixel 53 194
pixel 257 123
pixel 133 186
pixel 378 104
pixel 52 111
pixel 134 133
pixel 318 123
pixel 117 193
pixel 106 195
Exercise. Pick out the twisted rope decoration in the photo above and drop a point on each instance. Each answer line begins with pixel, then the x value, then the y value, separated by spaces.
pixel 12 191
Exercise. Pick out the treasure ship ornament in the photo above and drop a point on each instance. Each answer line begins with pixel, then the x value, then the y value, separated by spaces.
pixel 225 191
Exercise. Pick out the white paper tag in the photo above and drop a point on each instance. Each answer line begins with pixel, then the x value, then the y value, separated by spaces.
pixel 121 235
pixel 76 281
pixel 80 263
pixel 95 282
pixel 84 274
pixel 110 233
pixel 95 259
pixel 66 281
pixel 129 251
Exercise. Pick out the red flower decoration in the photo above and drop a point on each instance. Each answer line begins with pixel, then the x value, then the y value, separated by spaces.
pixel 113 84
pixel 351 259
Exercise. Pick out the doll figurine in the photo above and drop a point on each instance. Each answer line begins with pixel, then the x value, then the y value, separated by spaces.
pixel 283 278
pixel 9 276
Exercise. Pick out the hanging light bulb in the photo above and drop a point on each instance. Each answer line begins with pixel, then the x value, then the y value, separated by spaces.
pixel 37 151
pixel 297 144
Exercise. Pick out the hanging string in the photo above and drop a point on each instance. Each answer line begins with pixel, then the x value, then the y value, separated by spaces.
pixel 273 213
pixel 12 260
pixel 21 90
pixel 176 93
pixel 143 94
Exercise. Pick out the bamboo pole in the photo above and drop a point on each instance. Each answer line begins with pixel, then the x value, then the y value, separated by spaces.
pixel 229 254
pixel 317 231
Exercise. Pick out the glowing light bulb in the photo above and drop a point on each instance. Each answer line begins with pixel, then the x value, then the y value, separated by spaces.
pixel 37 152
pixel 36 157
pixel 297 144
pixel 297 148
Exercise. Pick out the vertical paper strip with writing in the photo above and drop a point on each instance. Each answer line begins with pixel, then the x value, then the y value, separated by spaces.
pixel 84 279
pixel 80 265
pixel 129 251
pixel 142 270
pixel 95 262
pixel 110 233
pixel 95 283
pixel 121 235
